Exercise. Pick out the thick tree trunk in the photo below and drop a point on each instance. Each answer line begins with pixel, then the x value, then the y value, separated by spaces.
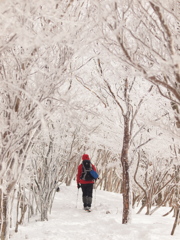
pixel 148 207
pixel 5 211
pixel 125 169
pixel 4 217
pixel 126 193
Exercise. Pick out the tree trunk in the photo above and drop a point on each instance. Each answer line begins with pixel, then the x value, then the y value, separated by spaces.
pixel 125 169
pixel 44 211
pixel 148 207
pixel 175 221
pixel 4 217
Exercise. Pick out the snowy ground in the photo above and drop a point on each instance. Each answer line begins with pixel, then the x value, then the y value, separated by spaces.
pixel 68 221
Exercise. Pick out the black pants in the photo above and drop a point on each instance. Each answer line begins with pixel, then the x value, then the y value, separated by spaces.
pixel 87 190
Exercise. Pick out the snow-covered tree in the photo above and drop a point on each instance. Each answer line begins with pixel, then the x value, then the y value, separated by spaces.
pixel 35 47
pixel 66 93
pixel 147 34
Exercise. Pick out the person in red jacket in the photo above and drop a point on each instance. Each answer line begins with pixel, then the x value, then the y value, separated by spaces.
pixel 85 181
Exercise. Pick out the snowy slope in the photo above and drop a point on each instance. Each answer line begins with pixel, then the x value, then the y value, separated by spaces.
pixel 68 221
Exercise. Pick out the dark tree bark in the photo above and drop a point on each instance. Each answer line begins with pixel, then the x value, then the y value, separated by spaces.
pixel 125 167
pixel 4 201
pixel 175 221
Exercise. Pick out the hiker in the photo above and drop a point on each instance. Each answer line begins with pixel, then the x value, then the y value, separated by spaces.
pixel 85 181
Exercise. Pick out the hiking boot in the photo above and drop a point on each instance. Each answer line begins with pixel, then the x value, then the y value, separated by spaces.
pixel 87 208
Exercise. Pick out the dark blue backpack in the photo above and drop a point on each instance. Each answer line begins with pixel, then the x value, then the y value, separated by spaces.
pixel 88 174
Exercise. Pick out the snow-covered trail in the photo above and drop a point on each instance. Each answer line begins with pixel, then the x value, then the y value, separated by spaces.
pixel 67 222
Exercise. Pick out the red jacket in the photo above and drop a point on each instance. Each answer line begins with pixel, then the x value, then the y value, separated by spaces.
pixel 81 181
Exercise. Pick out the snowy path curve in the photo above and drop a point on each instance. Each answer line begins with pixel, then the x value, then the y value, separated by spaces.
pixel 67 222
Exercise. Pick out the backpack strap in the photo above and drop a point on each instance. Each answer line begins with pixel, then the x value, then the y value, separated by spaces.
pixel 83 171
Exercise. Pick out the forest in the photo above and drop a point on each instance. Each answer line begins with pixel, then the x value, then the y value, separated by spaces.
pixel 100 77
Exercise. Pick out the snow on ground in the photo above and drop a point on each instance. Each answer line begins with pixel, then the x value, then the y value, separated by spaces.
pixel 68 221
